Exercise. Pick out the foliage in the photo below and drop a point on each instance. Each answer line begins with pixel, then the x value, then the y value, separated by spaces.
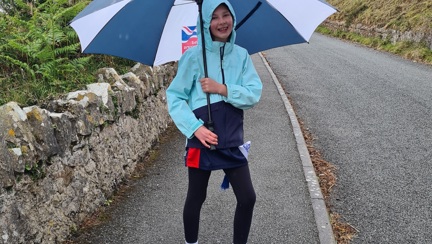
pixel 35 171
pixel 40 53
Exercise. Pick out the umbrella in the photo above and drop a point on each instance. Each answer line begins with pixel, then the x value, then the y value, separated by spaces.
pixel 154 32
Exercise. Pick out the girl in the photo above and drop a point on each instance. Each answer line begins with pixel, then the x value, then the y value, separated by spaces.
pixel 233 85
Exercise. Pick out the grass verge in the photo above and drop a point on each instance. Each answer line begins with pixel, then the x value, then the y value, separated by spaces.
pixel 417 52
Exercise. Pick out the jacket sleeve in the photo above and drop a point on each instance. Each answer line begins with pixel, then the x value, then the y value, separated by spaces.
pixel 248 93
pixel 178 97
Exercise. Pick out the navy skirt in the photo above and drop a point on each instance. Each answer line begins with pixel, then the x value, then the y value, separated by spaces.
pixel 206 159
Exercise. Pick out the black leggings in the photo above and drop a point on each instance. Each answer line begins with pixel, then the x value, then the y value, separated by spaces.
pixel 241 183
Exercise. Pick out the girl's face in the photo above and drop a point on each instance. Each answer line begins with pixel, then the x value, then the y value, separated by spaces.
pixel 221 24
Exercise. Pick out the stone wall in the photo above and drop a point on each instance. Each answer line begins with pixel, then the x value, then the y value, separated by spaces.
pixel 383 33
pixel 59 163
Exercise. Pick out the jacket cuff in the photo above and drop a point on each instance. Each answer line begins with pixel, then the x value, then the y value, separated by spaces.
pixel 195 127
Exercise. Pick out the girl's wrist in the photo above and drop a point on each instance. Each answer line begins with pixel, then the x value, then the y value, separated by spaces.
pixel 223 90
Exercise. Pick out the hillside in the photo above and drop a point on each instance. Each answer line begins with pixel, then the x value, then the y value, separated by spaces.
pixel 402 15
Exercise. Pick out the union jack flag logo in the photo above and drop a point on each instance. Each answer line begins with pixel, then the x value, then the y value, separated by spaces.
pixel 189 37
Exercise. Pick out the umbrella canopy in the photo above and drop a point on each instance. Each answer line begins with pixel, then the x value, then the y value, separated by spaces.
pixel 154 32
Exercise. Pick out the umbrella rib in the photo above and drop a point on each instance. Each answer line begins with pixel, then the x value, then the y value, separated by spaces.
pixel 248 15
pixel 184 3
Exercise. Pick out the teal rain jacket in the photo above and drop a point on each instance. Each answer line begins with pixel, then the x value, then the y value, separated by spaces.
pixel 226 62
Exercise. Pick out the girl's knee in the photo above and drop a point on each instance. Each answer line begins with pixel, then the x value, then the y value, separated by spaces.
pixel 248 200
pixel 252 199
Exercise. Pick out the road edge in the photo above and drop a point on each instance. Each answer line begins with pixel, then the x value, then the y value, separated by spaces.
pixel 321 214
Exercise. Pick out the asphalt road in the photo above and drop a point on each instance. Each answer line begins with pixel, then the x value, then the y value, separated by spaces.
pixel 370 113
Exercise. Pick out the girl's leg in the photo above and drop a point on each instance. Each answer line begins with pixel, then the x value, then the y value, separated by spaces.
pixel 241 183
pixel 196 195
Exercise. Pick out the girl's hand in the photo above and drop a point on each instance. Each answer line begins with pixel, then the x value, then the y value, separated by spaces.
pixel 209 85
pixel 206 137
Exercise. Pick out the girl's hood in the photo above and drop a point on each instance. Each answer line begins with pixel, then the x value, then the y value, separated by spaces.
pixel 207 12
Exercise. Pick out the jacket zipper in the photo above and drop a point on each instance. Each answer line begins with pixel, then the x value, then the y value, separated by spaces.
pixel 222 51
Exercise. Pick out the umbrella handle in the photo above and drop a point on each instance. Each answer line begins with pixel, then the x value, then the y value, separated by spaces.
pixel 209 123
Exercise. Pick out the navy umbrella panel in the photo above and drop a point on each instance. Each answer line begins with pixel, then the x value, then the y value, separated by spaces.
pixel 131 32
pixel 275 31
pixel 150 31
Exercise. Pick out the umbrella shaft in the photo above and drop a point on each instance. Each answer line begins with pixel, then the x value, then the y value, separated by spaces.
pixel 199 2
pixel 210 121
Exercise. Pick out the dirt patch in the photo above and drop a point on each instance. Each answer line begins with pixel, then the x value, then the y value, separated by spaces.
pixel 326 173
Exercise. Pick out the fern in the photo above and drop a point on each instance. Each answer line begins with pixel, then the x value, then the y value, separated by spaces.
pixel 40 53
pixel 18 63
pixel 66 50
pixel 71 35
pixel 80 63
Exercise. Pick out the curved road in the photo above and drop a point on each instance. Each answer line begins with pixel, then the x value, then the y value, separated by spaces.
pixel 370 113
